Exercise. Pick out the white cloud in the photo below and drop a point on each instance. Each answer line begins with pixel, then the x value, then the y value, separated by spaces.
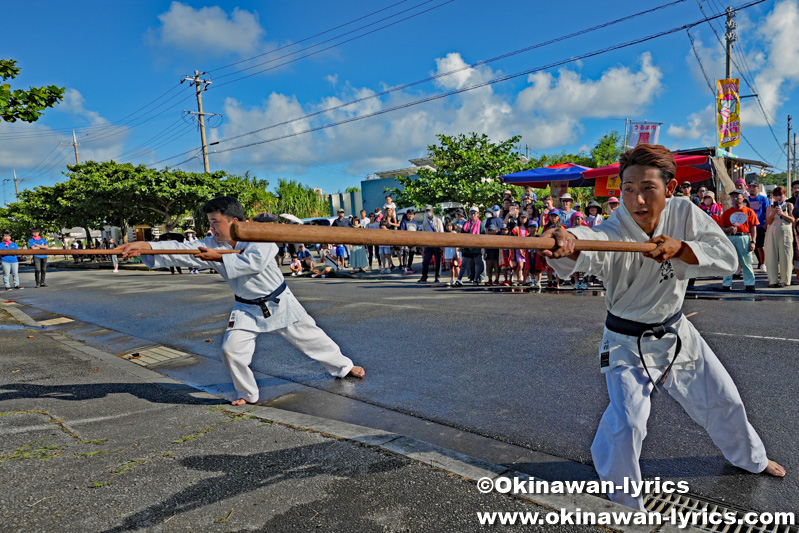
pixel 618 91
pixel 547 113
pixel 209 30
pixel 698 125
pixel 74 103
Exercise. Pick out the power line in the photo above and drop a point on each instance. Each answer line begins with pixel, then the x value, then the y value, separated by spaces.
pixel 308 38
pixel 751 86
pixel 713 90
pixel 326 48
pixel 455 71
pixel 490 82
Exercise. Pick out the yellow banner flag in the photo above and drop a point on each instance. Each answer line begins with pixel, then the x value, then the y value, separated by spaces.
pixel 728 110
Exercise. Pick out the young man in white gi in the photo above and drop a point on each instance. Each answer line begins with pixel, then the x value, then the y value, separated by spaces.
pixel 645 294
pixel 263 302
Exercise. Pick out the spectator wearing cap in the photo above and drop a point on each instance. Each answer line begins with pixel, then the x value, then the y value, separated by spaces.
pixel 472 257
pixel 779 239
pixel 566 202
pixel 497 211
pixel 431 223
pixel 305 257
pixel 341 250
pixel 408 223
pixel 758 202
pixel 739 223
pixel 507 194
pixel 685 189
pixel 709 205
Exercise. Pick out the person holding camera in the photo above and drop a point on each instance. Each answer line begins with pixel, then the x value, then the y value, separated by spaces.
pixel 779 239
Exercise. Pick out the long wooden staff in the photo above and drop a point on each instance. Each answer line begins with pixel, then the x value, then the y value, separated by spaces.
pixel 260 232
pixel 110 251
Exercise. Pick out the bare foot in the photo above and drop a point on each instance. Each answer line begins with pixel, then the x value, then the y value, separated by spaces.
pixel 240 401
pixel 774 469
pixel 358 372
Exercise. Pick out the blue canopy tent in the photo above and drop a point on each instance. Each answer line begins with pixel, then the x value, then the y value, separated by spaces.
pixel 540 178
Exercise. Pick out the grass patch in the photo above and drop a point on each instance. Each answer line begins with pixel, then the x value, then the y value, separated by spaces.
pixel 193 436
pixel 90 454
pixel 32 451
pixel 31 412
pixel 166 454
pixel 98 484
pixel 124 468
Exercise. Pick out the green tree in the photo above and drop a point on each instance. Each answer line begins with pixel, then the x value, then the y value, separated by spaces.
pixel 24 105
pixel 466 172
pixel 300 200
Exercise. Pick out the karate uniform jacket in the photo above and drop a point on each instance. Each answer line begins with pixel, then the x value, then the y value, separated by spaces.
pixel 251 274
pixel 643 290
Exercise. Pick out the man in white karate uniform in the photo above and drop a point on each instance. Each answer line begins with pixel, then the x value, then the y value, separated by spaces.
pixel 263 301
pixel 644 299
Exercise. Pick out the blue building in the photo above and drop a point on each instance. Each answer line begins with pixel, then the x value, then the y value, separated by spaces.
pixel 375 187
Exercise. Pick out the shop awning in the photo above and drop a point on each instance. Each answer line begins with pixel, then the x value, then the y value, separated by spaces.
pixel 540 178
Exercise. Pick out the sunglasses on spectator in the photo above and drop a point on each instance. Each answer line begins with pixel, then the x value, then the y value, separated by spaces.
pixel 685 186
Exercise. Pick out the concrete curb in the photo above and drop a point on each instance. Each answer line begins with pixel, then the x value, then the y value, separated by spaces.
pixel 462 465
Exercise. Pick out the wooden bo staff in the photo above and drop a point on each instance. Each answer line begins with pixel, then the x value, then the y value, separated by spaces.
pixel 111 251
pixel 260 232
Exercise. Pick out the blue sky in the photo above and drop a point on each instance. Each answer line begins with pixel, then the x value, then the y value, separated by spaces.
pixel 122 62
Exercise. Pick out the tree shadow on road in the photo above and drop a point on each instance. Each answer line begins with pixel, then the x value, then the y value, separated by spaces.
pixel 242 474
pixel 155 393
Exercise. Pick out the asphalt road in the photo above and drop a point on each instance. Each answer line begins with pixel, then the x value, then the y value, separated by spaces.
pixel 520 368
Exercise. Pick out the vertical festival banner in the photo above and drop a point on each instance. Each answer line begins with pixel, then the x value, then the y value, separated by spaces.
pixel 728 110
pixel 642 133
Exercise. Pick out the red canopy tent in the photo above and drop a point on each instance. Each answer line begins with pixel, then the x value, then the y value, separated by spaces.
pixel 692 168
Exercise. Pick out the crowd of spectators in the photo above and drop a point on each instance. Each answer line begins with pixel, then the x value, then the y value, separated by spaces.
pixel 768 226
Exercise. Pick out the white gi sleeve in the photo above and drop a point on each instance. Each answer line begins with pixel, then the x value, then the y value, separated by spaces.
pixel 181 260
pixel 713 249
pixel 253 260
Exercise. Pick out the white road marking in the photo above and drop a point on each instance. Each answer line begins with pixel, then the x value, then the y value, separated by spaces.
pixel 752 336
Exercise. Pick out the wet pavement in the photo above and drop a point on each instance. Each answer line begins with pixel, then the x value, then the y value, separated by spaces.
pixel 517 370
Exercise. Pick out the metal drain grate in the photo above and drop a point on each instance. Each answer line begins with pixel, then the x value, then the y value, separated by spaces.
pixel 687 503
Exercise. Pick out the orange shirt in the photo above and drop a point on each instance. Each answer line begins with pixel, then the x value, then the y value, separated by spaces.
pixel 743 222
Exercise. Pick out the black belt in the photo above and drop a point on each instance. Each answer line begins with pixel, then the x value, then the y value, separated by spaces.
pixel 261 302
pixel 641 330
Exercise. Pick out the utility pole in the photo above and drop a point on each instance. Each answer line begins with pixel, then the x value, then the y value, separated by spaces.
pixel 794 154
pixel 730 37
pixel 788 160
pixel 75 144
pixel 16 187
pixel 200 86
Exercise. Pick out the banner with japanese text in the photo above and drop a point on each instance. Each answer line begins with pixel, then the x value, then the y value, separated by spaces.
pixel 728 110
pixel 642 133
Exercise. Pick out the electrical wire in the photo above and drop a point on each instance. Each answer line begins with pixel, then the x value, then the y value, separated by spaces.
pixel 489 82
pixel 326 48
pixel 713 91
pixel 461 69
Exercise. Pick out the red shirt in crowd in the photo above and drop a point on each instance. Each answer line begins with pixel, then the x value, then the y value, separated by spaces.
pixel 742 222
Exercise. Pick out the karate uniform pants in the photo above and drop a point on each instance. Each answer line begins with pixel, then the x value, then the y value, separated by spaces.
pixel 238 347
pixel 741 244
pixel 707 394
pixel 779 251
